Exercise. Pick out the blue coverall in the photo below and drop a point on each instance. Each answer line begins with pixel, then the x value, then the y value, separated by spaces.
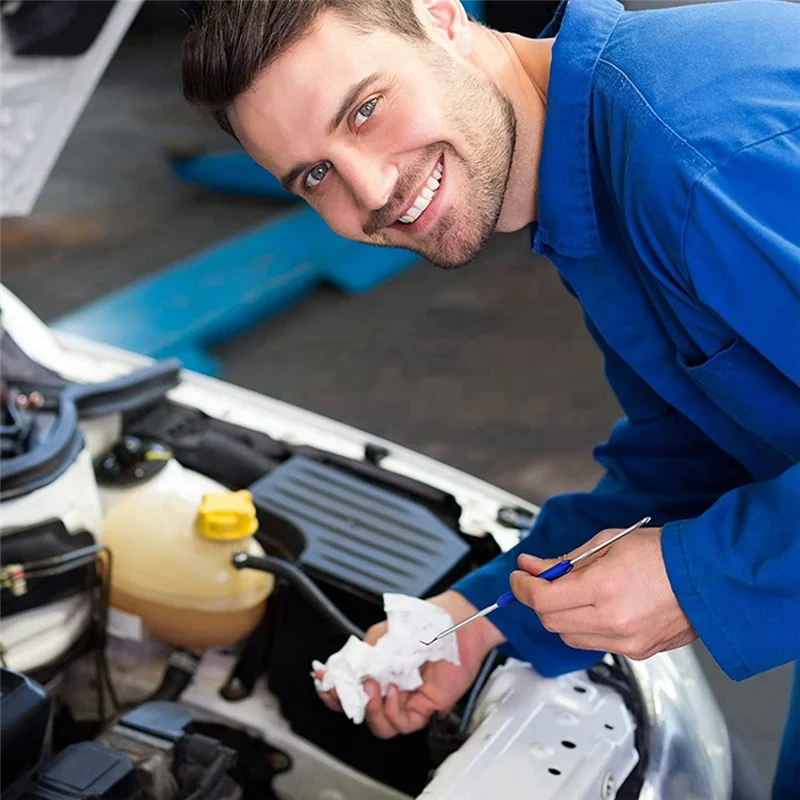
pixel 669 202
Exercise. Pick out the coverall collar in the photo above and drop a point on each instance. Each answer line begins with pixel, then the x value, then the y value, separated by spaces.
pixel 567 221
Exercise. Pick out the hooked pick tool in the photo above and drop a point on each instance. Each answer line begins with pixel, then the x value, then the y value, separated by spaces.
pixel 556 571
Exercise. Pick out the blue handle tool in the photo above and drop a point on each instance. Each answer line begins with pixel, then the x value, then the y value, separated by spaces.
pixel 556 571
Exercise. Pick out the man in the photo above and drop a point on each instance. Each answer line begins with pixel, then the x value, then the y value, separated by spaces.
pixel 656 158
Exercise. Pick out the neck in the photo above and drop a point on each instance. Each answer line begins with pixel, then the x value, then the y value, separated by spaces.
pixel 520 68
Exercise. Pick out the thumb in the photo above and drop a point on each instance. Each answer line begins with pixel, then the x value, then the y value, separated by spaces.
pixel 535 566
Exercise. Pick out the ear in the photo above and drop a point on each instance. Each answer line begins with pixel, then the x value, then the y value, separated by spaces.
pixel 446 23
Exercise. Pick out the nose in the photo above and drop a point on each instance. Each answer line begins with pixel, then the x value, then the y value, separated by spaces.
pixel 371 178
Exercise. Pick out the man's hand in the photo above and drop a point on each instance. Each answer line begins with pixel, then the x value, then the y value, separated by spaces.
pixel 619 601
pixel 443 683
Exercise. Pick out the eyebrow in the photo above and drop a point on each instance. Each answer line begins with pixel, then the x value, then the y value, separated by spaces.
pixel 353 94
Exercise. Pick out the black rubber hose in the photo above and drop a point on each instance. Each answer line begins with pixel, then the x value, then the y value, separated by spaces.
pixel 303 583
pixel 476 690
pixel 181 668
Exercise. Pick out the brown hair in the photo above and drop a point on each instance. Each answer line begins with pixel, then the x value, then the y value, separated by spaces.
pixel 233 41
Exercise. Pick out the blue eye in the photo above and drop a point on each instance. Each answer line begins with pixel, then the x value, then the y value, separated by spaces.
pixel 364 113
pixel 316 174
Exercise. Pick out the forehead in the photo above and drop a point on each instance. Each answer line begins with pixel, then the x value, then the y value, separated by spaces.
pixel 285 114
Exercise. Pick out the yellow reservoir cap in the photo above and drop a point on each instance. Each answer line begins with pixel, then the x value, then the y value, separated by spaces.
pixel 227 516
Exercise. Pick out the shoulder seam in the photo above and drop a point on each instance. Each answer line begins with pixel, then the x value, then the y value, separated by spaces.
pixel 611 65
pixel 704 167
pixel 745 147
pixel 702 177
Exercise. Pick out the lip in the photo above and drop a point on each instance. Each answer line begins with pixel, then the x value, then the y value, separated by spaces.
pixel 429 215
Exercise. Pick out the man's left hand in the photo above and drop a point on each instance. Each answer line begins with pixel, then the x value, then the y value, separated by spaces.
pixel 619 601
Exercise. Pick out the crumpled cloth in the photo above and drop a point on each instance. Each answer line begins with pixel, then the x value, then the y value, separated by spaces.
pixel 395 658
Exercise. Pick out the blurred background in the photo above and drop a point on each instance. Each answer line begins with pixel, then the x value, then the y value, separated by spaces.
pixel 489 369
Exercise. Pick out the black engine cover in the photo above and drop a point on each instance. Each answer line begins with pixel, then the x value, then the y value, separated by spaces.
pixel 354 534
pixel 357 541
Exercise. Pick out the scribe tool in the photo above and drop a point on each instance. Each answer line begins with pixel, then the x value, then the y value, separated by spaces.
pixel 556 571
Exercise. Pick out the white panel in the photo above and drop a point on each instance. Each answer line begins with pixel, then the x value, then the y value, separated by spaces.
pixel 569 738
pixel 40 102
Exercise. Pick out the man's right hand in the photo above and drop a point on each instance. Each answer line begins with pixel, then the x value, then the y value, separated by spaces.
pixel 443 683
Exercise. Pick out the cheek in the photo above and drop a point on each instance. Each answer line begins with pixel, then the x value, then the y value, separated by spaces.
pixel 341 214
pixel 411 132
pixel 412 124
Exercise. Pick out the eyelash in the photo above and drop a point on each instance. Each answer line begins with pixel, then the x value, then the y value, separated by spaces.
pixel 374 101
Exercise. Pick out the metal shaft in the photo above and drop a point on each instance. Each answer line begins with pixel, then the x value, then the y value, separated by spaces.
pixel 454 628
pixel 610 541
pixel 572 561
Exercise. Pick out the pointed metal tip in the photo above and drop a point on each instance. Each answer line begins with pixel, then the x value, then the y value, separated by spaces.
pixel 427 644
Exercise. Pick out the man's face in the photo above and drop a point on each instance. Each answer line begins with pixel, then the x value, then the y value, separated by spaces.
pixel 393 142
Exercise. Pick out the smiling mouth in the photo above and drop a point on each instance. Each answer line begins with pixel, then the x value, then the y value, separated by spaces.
pixel 425 197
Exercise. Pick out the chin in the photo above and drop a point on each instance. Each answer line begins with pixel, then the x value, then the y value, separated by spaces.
pixel 436 256
pixel 448 258
pixel 447 250
pixel 453 252
pixel 451 264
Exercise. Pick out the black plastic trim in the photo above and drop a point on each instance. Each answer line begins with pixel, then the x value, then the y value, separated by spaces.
pixel 53 456
pixel 140 388
pixel 51 459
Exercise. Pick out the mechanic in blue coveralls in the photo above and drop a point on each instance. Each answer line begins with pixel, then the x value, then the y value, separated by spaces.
pixel 655 157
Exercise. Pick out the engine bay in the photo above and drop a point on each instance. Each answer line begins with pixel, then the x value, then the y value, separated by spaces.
pixel 169 575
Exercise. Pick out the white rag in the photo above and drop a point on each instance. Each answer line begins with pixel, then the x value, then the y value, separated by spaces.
pixel 394 659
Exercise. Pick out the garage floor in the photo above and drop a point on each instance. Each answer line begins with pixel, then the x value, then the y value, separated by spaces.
pixel 489 369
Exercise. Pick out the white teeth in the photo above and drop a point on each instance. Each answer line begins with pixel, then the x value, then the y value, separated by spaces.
pixel 425 197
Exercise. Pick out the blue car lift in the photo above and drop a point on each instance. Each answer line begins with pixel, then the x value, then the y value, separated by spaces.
pixel 229 171
pixel 195 304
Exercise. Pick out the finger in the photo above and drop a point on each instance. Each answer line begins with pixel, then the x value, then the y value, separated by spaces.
pixel 375 633
pixel 331 700
pixel 597 539
pixel 571 591
pixel 407 712
pixel 396 710
pixel 535 566
pixel 575 620
pixel 637 646
pixel 376 717
pixel 595 641
pixel 419 710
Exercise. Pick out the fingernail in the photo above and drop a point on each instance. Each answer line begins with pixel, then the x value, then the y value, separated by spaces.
pixel 529 558
pixel 392 691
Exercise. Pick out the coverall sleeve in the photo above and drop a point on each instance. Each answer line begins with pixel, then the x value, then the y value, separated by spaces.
pixel 736 568
pixel 657 463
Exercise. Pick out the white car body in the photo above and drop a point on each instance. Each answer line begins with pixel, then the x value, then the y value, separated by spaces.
pixel 521 720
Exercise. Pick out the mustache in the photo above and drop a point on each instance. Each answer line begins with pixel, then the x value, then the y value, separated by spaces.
pixel 406 183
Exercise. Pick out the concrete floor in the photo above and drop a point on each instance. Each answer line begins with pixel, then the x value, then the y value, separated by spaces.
pixel 489 369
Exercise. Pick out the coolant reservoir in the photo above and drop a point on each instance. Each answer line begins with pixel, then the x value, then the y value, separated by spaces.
pixel 172 565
